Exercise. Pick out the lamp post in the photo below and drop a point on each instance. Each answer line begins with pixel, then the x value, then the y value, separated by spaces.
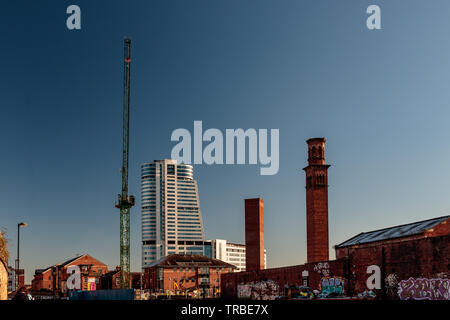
pixel 20 225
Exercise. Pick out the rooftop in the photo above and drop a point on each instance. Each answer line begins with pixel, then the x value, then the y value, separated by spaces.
pixel 401 231
pixel 62 264
pixel 191 260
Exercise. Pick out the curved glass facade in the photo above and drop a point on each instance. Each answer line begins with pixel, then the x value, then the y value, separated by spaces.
pixel 170 209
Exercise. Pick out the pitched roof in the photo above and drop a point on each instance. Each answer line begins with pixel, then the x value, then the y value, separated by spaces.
pixel 189 260
pixel 64 263
pixel 401 231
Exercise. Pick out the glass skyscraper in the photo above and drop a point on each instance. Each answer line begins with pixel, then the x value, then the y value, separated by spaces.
pixel 170 207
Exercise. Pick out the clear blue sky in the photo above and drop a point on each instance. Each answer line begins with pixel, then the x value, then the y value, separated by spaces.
pixel 309 68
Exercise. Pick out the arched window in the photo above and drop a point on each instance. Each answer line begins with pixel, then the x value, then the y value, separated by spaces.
pixel 320 155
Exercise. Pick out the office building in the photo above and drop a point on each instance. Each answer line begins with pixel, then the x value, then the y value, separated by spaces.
pixel 170 208
pixel 229 252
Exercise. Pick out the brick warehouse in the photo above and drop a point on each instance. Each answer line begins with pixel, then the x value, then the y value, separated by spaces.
pixel 53 279
pixel 413 260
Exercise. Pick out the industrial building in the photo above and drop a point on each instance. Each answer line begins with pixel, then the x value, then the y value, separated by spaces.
pixel 411 261
pixel 53 279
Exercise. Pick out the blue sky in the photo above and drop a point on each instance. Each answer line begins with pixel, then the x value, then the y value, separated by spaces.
pixel 308 68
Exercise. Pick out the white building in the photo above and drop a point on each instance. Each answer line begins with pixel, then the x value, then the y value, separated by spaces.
pixel 232 253
pixel 170 208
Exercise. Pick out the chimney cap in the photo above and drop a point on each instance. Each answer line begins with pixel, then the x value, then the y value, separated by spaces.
pixel 316 140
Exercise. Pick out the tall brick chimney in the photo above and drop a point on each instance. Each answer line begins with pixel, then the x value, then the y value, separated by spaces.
pixel 317 201
pixel 254 234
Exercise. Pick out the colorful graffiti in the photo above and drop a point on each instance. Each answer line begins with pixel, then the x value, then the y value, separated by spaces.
pixel 424 289
pixel 333 285
pixel 323 268
pixel 263 290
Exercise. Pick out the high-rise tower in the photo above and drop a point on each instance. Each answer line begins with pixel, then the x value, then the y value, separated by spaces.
pixel 317 201
pixel 171 216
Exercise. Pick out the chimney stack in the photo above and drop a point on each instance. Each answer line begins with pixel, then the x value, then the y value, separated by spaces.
pixel 254 234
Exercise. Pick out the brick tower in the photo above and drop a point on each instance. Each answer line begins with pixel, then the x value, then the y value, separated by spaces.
pixel 254 234
pixel 317 201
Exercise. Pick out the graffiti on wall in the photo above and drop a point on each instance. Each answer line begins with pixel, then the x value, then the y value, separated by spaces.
pixel 424 289
pixel 262 290
pixel 323 268
pixel 391 284
pixel 333 285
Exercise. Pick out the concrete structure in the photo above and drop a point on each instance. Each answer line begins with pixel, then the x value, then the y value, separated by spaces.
pixel 254 234
pixel 229 252
pixel 171 216
pixel 194 274
pixel 53 279
pixel 317 201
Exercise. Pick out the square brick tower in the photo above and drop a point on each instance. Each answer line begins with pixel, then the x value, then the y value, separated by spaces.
pixel 254 234
pixel 317 201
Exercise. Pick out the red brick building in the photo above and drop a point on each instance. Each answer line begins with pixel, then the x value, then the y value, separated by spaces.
pixel 317 201
pixel 53 280
pixel 177 274
pixel 111 280
pixel 419 250
pixel 254 234
pixel 411 261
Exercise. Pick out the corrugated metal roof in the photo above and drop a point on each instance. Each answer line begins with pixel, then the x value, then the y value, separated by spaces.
pixel 393 232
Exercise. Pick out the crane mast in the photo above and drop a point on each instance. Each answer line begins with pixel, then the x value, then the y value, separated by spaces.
pixel 125 201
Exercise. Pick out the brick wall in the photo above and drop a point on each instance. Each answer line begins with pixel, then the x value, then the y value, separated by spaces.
pixel 427 258
pixel 418 258
pixel 150 278
pixel 286 276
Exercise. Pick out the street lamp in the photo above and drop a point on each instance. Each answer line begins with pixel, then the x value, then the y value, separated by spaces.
pixel 20 225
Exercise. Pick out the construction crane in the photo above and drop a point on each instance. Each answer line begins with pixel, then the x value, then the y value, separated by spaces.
pixel 125 201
